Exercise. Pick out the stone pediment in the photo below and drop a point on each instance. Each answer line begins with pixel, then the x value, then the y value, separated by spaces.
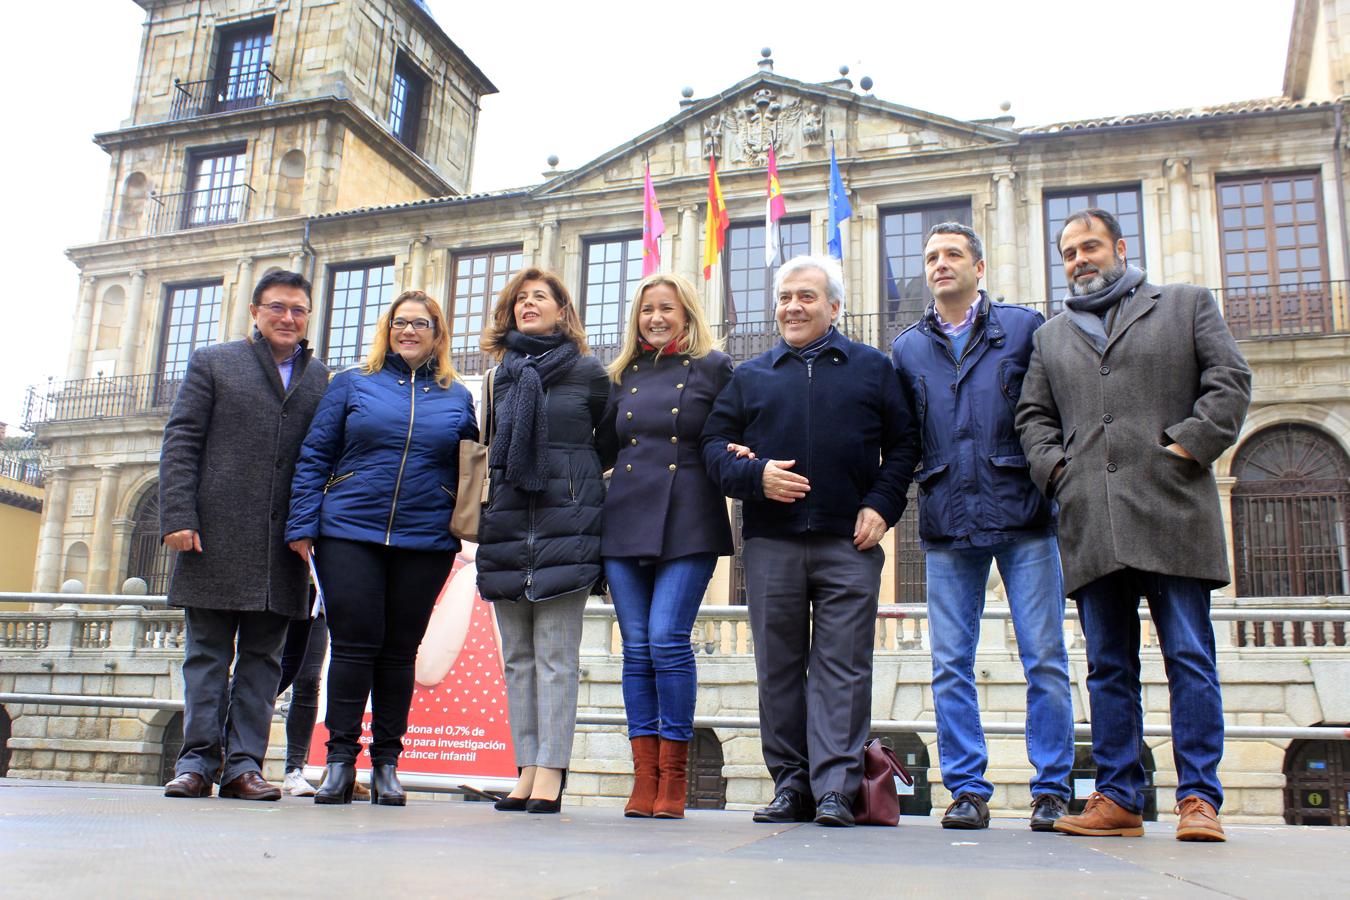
pixel 799 119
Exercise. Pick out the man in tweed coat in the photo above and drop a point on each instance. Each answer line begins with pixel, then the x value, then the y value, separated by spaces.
pixel 1131 395
pixel 230 447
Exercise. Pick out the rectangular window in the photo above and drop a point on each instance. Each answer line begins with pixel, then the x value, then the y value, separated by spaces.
pixel 904 232
pixel 405 102
pixel 613 268
pixel 748 285
pixel 243 68
pixel 217 193
pixel 191 320
pixel 478 277
pixel 356 297
pixel 1274 257
pixel 1123 202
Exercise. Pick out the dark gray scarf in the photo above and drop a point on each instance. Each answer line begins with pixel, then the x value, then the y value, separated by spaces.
pixel 531 364
pixel 1096 313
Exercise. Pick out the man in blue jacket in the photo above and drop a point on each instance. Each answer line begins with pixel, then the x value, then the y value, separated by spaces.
pixel 833 452
pixel 961 367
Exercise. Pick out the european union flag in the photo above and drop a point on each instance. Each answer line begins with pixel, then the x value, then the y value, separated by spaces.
pixel 839 207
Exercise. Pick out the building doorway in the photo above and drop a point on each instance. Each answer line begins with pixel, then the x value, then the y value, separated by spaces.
pixel 1317 783
pixel 148 558
pixel 1083 779
pixel 6 732
pixel 707 787
pixel 915 799
pixel 172 744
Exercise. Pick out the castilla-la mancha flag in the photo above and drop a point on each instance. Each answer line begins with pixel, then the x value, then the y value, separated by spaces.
pixel 773 211
pixel 715 235
pixel 652 227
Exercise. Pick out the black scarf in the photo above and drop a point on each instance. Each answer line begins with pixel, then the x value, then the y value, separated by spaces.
pixel 531 364
pixel 1091 312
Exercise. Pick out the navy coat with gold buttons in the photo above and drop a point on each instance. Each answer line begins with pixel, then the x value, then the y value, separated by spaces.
pixel 661 503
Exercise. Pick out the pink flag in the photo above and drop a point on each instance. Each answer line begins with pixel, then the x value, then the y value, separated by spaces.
pixel 652 226
pixel 774 211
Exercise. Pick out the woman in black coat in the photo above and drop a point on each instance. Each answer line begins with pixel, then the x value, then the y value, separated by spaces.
pixel 539 537
pixel 665 524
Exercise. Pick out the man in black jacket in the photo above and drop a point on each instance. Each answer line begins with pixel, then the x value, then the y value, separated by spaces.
pixel 833 451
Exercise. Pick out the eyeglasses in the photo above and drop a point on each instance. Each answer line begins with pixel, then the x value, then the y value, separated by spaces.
pixel 280 309
pixel 417 324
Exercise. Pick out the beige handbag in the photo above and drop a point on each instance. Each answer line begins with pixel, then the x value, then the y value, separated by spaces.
pixel 474 478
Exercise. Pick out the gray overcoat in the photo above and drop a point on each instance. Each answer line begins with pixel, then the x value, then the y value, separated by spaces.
pixel 1171 372
pixel 230 447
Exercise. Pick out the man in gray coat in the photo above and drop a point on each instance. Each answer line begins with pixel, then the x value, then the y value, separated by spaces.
pixel 230 447
pixel 1131 395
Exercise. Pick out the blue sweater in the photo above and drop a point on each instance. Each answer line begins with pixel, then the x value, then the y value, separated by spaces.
pixel 840 416
pixel 381 461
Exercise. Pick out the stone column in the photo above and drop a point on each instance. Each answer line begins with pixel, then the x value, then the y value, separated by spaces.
pixel 1225 484
pixel 48 576
pixel 1178 254
pixel 1005 239
pixel 131 325
pixel 298 262
pixel 417 264
pixel 240 318
pixel 100 556
pixel 548 246
pixel 686 256
pixel 76 367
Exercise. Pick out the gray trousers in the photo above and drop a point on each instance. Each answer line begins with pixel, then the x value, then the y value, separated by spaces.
pixel 227 717
pixel 813 612
pixel 541 647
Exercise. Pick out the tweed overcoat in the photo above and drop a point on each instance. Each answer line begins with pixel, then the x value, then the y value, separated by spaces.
pixel 225 470
pixel 1171 373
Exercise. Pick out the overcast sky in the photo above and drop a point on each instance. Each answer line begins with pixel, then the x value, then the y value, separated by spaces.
pixel 576 79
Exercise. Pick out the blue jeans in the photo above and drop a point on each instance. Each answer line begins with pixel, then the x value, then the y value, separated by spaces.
pixel 656 604
pixel 956 582
pixel 1109 611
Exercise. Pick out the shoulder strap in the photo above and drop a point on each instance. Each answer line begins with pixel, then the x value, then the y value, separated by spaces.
pixel 488 413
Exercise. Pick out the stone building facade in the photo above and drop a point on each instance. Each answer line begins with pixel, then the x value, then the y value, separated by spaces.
pixel 336 137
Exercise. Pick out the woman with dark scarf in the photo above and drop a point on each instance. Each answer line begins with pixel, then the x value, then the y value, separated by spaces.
pixel 539 538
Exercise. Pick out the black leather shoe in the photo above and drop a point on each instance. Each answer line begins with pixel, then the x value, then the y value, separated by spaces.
pixel 339 780
pixel 834 810
pixel 1045 810
pixel 546 807
pixel 384 787
pixel 788 806
pixel 189 784
pixel 967 811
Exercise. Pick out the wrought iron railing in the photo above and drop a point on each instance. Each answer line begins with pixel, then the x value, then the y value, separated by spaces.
pixel 241 89
pixel 200 209
pixel 99 398
pixel 1286 310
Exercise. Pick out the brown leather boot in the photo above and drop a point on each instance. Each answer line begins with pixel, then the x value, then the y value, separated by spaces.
pixel 1103 817
pixel 1199 821
pixel 674 780
pixel 646 776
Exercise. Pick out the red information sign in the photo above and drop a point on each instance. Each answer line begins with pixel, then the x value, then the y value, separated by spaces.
pixel 458 730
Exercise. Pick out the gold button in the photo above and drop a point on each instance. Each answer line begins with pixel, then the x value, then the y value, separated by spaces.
pixel 634 367
pixel 630 415
pixel 629 467
pixel 632 390
pixel 633 441
pixel 674 439
pixel 686 362
pixel 672 467
pixel 674 410
pixel 680 386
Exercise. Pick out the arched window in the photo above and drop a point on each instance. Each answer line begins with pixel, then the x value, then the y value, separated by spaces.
pixel 148 557
pixel 1290 508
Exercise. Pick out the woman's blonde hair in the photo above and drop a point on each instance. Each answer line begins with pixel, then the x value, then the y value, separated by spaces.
pixel 697 339
pixel 504 312
pixel 440 344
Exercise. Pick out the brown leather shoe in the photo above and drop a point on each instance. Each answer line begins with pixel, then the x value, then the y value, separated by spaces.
pixel 250 786
pixel 360 791
pixel 1199 821
pixel 1102 817
pixel 189 784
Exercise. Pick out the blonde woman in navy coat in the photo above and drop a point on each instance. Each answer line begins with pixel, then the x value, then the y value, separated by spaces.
pixel 664 525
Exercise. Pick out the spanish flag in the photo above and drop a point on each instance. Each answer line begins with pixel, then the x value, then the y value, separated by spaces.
pixel 715 236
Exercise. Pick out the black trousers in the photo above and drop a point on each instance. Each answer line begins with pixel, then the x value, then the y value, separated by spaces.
pixel 378 600
pixel 813 613
pixel 301 667
pixel 227 715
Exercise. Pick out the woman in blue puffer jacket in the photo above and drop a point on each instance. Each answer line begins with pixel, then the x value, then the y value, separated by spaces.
pixel 372 497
